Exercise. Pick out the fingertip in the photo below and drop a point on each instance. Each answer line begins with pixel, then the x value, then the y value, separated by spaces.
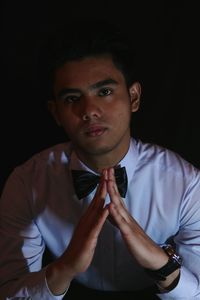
pixel 104 174
pixel 112 174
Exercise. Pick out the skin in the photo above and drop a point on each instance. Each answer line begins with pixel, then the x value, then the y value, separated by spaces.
pixel 94 106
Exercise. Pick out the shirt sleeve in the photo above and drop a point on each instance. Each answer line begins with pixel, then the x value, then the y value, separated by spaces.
pixel 187 242
pixel 21 246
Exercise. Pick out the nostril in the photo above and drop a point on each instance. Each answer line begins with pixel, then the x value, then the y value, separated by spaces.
pixel 90 116
pixel 85 117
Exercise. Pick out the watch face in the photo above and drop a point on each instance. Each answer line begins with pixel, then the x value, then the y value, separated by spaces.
pixel 173 264
pixel 178 259
pixel 172 254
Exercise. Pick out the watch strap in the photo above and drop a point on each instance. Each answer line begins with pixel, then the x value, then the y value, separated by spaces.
pixel 174 262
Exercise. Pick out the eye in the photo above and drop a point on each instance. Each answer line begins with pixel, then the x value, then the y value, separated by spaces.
pixel 71 98
pixel 105 92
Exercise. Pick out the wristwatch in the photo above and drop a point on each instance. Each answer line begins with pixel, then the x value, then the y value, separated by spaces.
pixel 174 263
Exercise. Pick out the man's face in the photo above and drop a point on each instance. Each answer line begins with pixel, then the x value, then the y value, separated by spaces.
pixel 94 105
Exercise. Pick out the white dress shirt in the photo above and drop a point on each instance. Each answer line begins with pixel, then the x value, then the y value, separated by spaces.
pixel 39 207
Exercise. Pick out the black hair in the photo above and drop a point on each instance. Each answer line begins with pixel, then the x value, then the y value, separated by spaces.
pixel 84 38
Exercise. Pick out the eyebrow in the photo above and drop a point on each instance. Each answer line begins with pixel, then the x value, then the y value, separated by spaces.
pixel 103 83
pixel 92 87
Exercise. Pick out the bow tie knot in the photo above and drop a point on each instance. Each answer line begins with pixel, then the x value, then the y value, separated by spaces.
pixel 85 182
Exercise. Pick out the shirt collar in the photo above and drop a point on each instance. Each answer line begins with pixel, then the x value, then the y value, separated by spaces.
pixel 129 161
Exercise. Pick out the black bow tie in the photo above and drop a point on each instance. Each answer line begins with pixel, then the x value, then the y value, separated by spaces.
pixel 85 182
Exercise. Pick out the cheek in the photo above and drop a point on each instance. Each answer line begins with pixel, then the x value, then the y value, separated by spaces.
pixel 124 120
pixel 122 113
pixel 69 122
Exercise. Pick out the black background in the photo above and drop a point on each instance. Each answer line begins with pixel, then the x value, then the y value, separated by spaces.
pixel 166 36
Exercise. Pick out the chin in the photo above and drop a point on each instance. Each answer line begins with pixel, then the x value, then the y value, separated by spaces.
pixel 96 149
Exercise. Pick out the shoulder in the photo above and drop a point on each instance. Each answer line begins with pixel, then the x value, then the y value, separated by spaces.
pixel 54 157
pixel 159 157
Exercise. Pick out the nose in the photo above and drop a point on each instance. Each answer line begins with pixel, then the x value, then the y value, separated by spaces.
pixel 90 109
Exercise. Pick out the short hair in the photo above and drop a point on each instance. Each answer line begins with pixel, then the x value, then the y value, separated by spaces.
pixel 88 38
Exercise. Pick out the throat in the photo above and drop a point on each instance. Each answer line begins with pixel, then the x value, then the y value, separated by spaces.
pixel 99 165
pixel 99 162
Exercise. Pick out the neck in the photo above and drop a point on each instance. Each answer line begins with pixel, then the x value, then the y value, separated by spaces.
pixel 102 161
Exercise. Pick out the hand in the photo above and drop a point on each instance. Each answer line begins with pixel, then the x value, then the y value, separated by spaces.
pixel 140 245
pixel 81 249
pixel 80 252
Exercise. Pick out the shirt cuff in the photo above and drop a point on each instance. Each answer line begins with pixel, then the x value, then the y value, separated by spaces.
pixel 59 297
pixel 40 290
pixel 187 285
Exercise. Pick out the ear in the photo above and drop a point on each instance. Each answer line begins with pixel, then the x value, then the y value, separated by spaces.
pixel 135 93
pixel 53 110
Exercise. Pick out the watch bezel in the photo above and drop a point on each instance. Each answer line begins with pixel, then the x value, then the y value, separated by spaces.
pixel 174 263
pixel 170 251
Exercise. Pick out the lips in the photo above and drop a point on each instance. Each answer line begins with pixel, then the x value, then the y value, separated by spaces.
pixel 95 130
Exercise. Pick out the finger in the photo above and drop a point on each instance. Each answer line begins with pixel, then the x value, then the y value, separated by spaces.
pixel 112 182
pixel 111 220
pixel 105 174
pixel 95 221
pixel 100 221
pixel 101 189
pixel 95 215
pixel 112 187
pixel 118 218
pixel 100 195
pixel 111 174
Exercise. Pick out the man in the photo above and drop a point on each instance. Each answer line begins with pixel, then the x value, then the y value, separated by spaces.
pixel 140 234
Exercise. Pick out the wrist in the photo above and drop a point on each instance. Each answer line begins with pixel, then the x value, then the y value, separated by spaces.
pixel 58 277
pixel 173 264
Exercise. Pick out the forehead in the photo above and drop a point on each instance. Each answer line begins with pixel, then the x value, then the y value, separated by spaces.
pixel 87 71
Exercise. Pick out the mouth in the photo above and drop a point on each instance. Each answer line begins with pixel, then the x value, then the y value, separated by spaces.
pixel 95 131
